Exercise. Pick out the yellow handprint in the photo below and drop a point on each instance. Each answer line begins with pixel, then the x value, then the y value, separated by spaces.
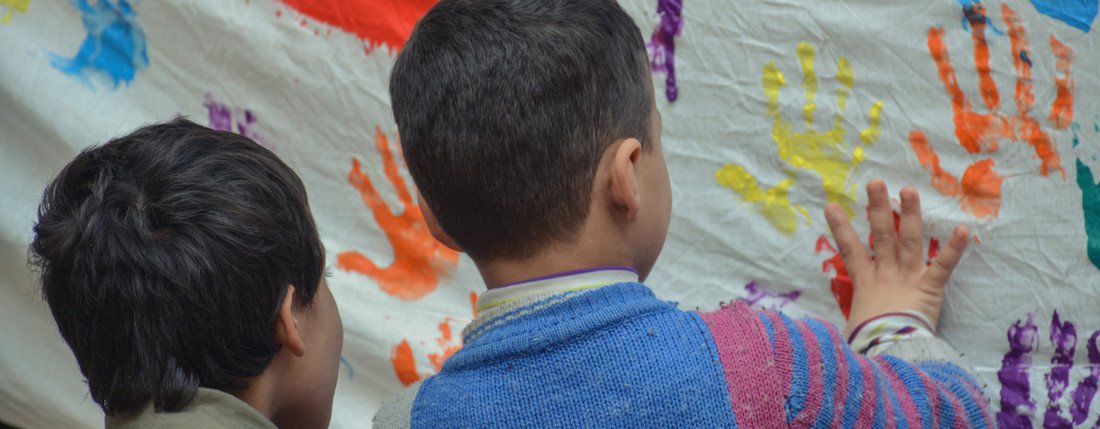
pixel 822 152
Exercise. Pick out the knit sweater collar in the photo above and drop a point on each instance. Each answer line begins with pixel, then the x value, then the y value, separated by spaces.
pixel 536 322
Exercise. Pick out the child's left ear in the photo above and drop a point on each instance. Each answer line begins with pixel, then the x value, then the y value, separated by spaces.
pixel 286 326
pixel 624 179
pixel 433 225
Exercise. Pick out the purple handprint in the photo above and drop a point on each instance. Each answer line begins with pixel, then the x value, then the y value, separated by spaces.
pixel 662 45
pixel 1017 407
pixel 761 297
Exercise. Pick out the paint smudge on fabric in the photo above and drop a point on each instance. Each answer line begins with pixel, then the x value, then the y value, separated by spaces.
pixel 404 364
pixel 377 22
pixel 447 343
pixel 419 261
pixel 970 11
pixel 1090 204
pixel 10 7
pixel 825 153
pixel 979 190
pixel 662 44
pixel 114 48
pixel 840 282
pixel 347 363
pixel 1017 407
pixel 227 118
pixel 1076 13
pixel 759 296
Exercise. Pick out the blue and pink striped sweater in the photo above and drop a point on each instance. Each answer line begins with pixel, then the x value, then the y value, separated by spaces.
pixel 616 356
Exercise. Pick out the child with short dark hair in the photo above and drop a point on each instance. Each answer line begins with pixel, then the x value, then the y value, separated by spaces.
pixel 531 131
pixel 183 268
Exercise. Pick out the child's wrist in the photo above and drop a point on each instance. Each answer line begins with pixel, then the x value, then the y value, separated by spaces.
pixel 874 335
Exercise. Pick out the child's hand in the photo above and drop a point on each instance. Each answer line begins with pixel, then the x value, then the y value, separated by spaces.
pixel 896 279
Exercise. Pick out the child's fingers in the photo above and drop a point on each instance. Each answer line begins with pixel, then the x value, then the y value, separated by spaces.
pixel 851 249
pixel 883 234
pixel 945 263
pixel 911 231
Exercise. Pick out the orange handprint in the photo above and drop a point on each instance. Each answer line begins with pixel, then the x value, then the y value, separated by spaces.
pixel 418 259
pixel 979 191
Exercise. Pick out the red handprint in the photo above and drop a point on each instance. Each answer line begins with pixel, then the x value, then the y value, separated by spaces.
pixel 418 259
pixel 841 283
pixel 979 191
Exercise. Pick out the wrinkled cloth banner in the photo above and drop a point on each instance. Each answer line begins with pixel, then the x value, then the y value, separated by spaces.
pixel 771 110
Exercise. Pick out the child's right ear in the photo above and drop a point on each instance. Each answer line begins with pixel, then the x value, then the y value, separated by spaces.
pixel 433 225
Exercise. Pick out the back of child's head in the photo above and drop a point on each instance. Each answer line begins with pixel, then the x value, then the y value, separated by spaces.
pixel 505 107
pixel 165 256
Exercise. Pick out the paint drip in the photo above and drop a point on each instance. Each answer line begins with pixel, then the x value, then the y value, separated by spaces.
pixel 114 47
pixel 662 44
pixel 347 364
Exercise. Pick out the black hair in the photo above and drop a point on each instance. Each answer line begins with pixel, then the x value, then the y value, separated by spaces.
pixel 504 108
pixel 165 255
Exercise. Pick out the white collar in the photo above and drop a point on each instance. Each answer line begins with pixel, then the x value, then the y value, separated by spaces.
pixel 556 283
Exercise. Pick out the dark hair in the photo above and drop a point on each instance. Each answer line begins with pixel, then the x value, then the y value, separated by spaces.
pixel 504 108
pixel 165 256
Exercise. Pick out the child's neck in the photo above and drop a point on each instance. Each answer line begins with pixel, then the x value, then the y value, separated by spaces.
pixel 558 260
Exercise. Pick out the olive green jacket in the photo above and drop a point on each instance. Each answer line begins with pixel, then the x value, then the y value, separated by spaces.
pixel 210 409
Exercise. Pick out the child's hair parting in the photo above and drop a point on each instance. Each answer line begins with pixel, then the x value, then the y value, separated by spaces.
pixel 504 108
pixel 165 255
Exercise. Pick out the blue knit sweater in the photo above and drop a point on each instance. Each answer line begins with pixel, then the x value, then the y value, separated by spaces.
pixel 617 356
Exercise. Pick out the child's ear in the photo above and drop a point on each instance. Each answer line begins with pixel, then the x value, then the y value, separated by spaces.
pixel 624 179
pixel 286 326
pixel 433 225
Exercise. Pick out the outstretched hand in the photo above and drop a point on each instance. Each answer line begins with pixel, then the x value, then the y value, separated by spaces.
pixel 895 278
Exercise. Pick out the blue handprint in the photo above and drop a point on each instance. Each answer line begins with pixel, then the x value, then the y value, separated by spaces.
pixel 114 47
pixel 1076 13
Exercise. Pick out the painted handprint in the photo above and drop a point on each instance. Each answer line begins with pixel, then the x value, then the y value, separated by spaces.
pixel 419 261
pixel 12 6
pixel 1090 201
pixel 404 362
pixel 1018 408
pixel 759 296
pixel 662 45
pixel 826 153
pixel 376 22
pixel 114 48
pixel 224 117
pixel 979 189
pixel 841 282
